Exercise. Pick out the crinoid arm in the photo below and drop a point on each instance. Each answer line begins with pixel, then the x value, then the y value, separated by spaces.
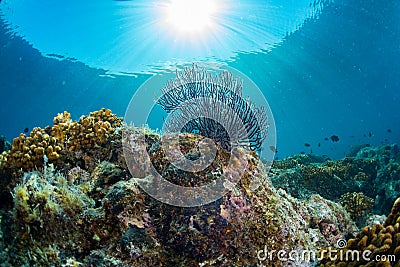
pixel 213 106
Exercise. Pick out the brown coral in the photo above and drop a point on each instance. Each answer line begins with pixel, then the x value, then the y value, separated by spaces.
pixel 90 131
pixel 357 205
pixel 28 152
pixel 379 244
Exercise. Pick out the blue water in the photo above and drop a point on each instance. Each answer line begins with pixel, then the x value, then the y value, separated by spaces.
pixel 329 68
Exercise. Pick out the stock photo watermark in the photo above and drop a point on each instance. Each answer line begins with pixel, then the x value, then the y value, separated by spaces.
pixel 222 105
pixel 331 253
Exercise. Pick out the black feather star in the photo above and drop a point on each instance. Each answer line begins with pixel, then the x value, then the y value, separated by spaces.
pixel 213 106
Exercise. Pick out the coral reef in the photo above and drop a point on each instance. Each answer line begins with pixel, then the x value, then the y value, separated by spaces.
pixel 28 152
pixel 299 160
pixel 383 154
pixel 229 231
pixel 87 133
pixel 47 208
pixel 375 219
pixel 81 137
pixel 357 205
pixel 387 181
pixel 378 245
pixel 301 177
pixel 66 144
pixel 76 203
pixel 70 213
pixel 373 171
pixel 188 145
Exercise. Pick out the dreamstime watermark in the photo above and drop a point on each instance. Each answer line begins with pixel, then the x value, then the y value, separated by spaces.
pixel 213 103
pixel 331 254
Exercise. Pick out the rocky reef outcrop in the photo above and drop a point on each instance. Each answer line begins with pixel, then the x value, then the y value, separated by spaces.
pixel 84 208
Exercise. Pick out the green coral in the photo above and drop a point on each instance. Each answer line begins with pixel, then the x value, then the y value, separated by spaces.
pixel 45 202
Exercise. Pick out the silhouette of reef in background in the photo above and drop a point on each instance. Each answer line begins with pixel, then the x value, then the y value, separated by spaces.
pixel 373 171
pixel 84 208
pixel 4 145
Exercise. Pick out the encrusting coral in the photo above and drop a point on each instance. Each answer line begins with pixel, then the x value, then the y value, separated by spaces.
pixel 378 245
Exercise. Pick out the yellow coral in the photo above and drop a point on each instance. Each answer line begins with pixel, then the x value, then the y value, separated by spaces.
pixel 62 118
pixel 21 193
pixel 90 131
pixel 356 204
pixel 381 240
pixel 27 152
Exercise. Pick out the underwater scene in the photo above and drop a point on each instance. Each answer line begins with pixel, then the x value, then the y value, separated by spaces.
pixel 200 133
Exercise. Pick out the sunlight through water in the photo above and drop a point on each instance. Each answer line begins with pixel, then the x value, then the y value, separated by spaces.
pixel 143 36
pixel 191 15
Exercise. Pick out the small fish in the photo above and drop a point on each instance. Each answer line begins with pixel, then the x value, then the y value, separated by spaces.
pixel 26 130
pixel 319 144
pixel 389 130
pixel 307 145
pixel 273 149
pixel 302 152
pixel 370 134
pixel 326 138
pixel 335 138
